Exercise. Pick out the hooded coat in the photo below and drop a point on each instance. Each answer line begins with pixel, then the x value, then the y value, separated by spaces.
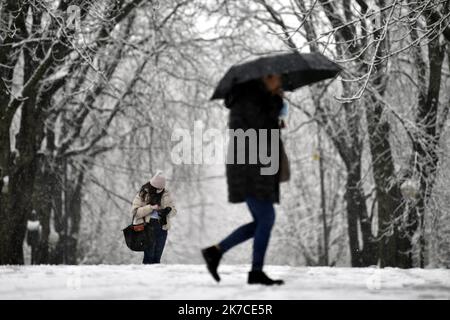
pixel 252 107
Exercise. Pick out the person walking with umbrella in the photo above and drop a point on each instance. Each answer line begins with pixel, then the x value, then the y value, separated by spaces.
pixel 254 94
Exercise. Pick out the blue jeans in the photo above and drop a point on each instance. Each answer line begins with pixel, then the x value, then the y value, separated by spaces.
pixel 263 219
pixel 154 252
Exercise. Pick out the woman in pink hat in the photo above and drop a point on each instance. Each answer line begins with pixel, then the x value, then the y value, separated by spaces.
pixel 153 204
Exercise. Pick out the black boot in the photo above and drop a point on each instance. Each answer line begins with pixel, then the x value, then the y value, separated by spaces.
pixel 212 257
pixel 259 277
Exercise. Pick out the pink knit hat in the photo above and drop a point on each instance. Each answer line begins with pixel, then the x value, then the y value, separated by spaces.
pixel 158 181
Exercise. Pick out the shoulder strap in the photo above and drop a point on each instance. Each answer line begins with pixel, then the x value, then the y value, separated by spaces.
pixel 132 218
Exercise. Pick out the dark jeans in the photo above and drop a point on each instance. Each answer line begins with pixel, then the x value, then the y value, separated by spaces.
pixel 263 219
pixel 154 252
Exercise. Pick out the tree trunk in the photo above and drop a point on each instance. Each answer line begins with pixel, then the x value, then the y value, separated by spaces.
pixel 43 203
pixel 357 213
pixel 323 258
pixel 425 145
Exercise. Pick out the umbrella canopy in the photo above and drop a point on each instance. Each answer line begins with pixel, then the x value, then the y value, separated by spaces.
pixel 297 70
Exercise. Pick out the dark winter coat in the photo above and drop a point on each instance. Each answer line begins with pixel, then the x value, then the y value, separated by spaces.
pixel 252 106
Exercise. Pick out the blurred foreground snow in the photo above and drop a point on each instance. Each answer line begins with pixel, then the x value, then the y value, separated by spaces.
pixel 193 282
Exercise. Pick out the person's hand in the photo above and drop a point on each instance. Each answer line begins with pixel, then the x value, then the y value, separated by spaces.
pixel 155 207
pixel 280 92
pixel 163 215
pixel 165 211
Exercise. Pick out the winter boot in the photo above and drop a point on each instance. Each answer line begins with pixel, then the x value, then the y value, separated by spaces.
pixel 259 277
pixel 212 256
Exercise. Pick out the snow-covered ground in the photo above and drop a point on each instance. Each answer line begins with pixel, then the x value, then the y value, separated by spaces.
pixel 193 282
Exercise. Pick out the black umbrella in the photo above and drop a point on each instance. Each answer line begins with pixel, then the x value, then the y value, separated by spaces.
pixel 297 70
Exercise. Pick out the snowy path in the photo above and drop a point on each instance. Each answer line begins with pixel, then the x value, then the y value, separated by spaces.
pixel 193 282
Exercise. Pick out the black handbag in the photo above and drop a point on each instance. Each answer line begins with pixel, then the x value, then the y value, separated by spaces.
pixel 138 237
